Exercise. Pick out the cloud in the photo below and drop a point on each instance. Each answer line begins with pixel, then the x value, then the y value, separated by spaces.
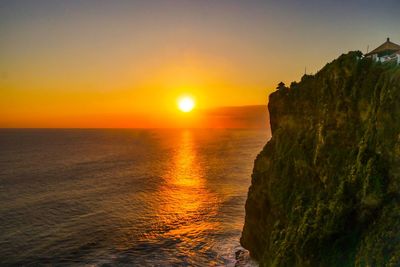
pixel 253 117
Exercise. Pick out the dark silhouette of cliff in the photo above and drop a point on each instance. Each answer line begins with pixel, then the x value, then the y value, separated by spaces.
pixel 326 188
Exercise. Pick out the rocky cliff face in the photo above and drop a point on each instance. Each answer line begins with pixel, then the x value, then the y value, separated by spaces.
pixel 326 188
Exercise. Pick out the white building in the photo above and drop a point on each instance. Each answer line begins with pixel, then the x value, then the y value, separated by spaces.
pixel 387 52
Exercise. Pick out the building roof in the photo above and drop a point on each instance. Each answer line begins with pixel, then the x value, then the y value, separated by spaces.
pixel 388 46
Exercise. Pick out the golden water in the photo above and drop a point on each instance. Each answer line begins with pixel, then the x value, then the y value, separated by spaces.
pixel 135 197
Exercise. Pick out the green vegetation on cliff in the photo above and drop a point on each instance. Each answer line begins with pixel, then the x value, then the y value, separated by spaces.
pixel 325 189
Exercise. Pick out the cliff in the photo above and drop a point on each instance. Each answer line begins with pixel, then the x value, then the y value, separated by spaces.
pixel 325 189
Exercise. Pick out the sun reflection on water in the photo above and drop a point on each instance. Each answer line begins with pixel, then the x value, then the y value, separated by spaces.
pixel 186 206
pixel 186 170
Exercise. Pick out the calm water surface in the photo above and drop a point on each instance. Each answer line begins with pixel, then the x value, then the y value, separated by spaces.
pixel 124 197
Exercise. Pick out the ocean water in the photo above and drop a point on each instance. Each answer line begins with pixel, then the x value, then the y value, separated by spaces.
pixel 124 197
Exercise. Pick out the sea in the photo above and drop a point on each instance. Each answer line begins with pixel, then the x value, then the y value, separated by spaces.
pixel 125 197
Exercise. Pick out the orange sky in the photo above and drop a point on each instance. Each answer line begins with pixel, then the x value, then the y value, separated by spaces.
pixel 125 63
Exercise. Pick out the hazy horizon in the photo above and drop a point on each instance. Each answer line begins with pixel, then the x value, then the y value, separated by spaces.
pixel 230 117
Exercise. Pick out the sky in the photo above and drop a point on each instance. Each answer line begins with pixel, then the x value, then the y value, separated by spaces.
pixel 125 63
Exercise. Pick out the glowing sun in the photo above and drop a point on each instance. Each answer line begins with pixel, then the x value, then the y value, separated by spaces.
pixel 186 104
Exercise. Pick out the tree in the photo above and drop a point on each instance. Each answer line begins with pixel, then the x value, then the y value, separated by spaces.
pixel 281 86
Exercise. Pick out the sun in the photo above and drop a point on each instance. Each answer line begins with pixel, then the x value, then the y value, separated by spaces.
pixel 186 104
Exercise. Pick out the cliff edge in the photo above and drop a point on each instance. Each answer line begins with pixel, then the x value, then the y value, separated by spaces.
pixel 326 188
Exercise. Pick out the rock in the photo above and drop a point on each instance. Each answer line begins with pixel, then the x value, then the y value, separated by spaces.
pixel 243 259
pixel 325 188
